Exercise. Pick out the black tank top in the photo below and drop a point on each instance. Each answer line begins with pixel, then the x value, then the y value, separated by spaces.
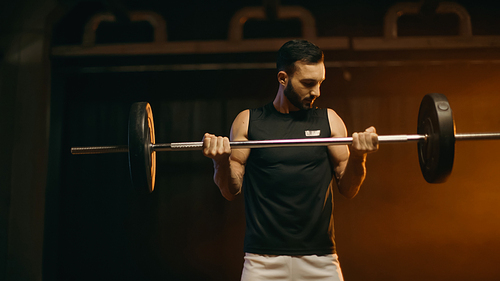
pixel 288 193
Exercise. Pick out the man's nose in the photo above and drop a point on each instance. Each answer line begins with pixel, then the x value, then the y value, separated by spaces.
pixel 315 92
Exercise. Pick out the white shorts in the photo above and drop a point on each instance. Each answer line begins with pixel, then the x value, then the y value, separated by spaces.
pixel 291 268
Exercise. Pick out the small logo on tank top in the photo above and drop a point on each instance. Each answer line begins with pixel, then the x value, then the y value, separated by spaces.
pixel 314 133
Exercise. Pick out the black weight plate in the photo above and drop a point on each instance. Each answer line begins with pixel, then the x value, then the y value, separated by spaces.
pixel 142 158
pixel 436 154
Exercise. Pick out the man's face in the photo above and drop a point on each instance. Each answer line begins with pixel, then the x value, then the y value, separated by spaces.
pixel 304 84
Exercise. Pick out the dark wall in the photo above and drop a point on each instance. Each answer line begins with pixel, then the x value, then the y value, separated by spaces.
pixel 184 230
pixel 24 125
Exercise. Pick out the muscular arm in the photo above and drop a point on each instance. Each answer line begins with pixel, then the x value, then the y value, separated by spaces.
pixel 350 169
pixel 229 165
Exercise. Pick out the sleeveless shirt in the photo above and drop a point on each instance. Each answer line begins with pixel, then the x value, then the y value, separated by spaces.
pixel 288 190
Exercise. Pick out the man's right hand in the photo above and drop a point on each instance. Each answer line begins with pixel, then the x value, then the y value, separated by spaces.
pixel 216 147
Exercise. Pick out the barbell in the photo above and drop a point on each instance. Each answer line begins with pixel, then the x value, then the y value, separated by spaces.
pixel 435 142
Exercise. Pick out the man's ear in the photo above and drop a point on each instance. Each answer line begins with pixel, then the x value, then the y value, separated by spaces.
pixel 282 78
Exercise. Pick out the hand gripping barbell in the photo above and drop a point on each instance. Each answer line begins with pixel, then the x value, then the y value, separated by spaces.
pixel 435 141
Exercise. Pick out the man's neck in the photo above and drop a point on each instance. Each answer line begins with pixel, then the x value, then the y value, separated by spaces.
pixel 281 103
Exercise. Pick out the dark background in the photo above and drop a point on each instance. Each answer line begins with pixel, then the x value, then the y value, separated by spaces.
pixel 65 217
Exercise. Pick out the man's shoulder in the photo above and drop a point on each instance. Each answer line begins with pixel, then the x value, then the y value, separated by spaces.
pixel 321 112
pixel 262 111
pixel 337 125
pixel 243 114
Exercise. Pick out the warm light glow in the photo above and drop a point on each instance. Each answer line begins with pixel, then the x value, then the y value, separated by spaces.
pixel 152 138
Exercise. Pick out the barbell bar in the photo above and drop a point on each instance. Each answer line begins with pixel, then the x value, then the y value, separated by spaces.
pixel 435 142
pixel 198 145
pixel 192 146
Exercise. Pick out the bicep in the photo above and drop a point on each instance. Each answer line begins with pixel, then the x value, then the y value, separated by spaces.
pixel 239 132
pixel 339 154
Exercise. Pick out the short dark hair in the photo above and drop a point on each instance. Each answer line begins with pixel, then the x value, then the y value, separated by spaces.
pixel 297 50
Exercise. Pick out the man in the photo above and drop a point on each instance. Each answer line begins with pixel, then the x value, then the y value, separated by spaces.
pixel 288 191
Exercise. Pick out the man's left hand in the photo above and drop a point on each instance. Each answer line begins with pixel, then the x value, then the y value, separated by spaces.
pixel 364 142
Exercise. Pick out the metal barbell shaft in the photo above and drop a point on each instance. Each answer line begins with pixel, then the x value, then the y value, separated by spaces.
pixel 477 136
pixel 189 146
pixel 99 149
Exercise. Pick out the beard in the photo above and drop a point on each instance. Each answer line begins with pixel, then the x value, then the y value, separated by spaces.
pixel 294 98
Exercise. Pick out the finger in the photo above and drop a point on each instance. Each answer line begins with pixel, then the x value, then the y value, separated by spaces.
pixel 371 142
pixel 355 141
pixel 210 144
pixel 213 145
pixel 206 143
pixel 222 147
pixel 219 149
pixel 206 136
pixel 371 129
pixel 374 139
pixel 227 146
pixel 366 141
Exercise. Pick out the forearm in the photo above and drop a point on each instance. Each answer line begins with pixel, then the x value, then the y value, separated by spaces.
pixel 228 178
pixel 353 176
